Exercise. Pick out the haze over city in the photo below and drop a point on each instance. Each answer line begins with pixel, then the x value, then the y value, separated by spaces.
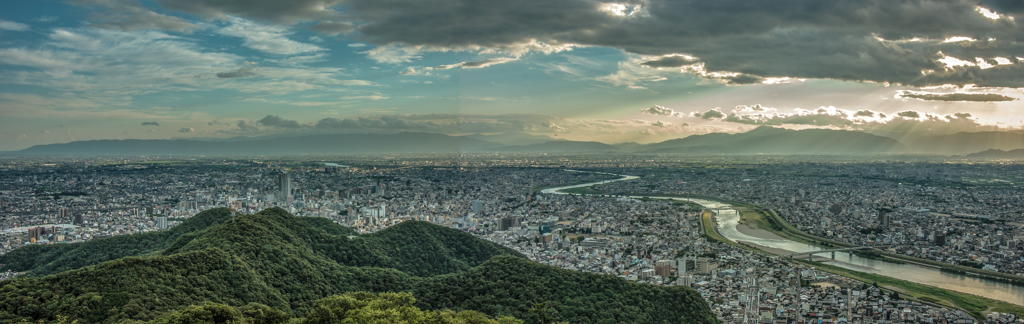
pixel 613 72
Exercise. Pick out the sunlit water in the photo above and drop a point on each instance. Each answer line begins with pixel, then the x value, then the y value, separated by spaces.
pixel 728 218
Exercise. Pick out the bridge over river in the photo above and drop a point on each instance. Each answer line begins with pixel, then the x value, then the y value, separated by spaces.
pixel 810 254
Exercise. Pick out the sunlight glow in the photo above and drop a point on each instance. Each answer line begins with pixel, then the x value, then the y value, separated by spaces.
pixel 983 64
pixel 958 39
pixel 950 61
pixel 988 13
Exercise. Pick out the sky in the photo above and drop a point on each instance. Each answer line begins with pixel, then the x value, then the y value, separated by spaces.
pixel 630 71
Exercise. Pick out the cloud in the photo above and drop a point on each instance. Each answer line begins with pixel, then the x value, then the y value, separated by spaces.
pixel 909 114
pixel 150 124
pixel 486 62
pixel 883 41
pixel 266 38
pixel 13 26
pixel 741 79
pixel 661 111
pixel 671 61
pixel 754 108
pixel 713 114
pixel 107 62
pixel 960 96
pixel 186 130
pixel 129 15
pixel 247 127
pixel 332 27
pixel 864 113
pixel 369 97
pixel 393 54
pixel 245 71
pixel 275 121
pixel 285 12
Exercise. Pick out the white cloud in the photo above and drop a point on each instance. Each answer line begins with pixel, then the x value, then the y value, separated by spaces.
pixel 15 26
pixel 661 111
pixel 266 38
pixel 370 97
pixel 394 54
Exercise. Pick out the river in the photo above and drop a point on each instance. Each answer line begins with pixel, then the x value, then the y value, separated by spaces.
pixel 728 218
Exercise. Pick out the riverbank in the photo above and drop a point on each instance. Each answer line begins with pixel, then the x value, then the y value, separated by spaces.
pixel 976 305
pixel 767 227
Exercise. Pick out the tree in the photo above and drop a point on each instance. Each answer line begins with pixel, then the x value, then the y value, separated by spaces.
pixel 542 310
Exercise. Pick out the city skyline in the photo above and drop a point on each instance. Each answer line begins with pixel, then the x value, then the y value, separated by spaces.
pixel 643 71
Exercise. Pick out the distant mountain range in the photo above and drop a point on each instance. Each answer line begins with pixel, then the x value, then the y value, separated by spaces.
pixel 964 143
pixel 762 140
pixel 998 154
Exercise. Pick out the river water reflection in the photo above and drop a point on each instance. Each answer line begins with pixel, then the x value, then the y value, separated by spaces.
pixel 728 218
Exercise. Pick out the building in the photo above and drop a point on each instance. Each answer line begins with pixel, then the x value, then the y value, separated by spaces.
pixel 706 265
pixel 663 268
pixel 940 238
pixel 883 217
pixel 284 186
pixel 35 233
pixel 79 219
pixel 161 222
pixel 478 207
pixel 64 213
pixel 506 223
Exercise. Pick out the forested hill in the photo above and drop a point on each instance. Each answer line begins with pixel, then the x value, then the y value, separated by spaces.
pixel 273 258
pixel 40 260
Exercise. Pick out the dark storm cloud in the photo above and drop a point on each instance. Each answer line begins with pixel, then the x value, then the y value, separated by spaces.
pixel 275 121
pixel 670 62
pixel 864 40
pixel 245 71
pixel 150 124
pixel 743 79
pixel 332 27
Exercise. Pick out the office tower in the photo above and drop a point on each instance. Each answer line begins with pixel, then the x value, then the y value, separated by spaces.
pixel 64 212
pixel 79 219
pixel 662 267
pixel 478 207
pixel 284 186
pixel 883 217
pixel 940 238
pixel 161 222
